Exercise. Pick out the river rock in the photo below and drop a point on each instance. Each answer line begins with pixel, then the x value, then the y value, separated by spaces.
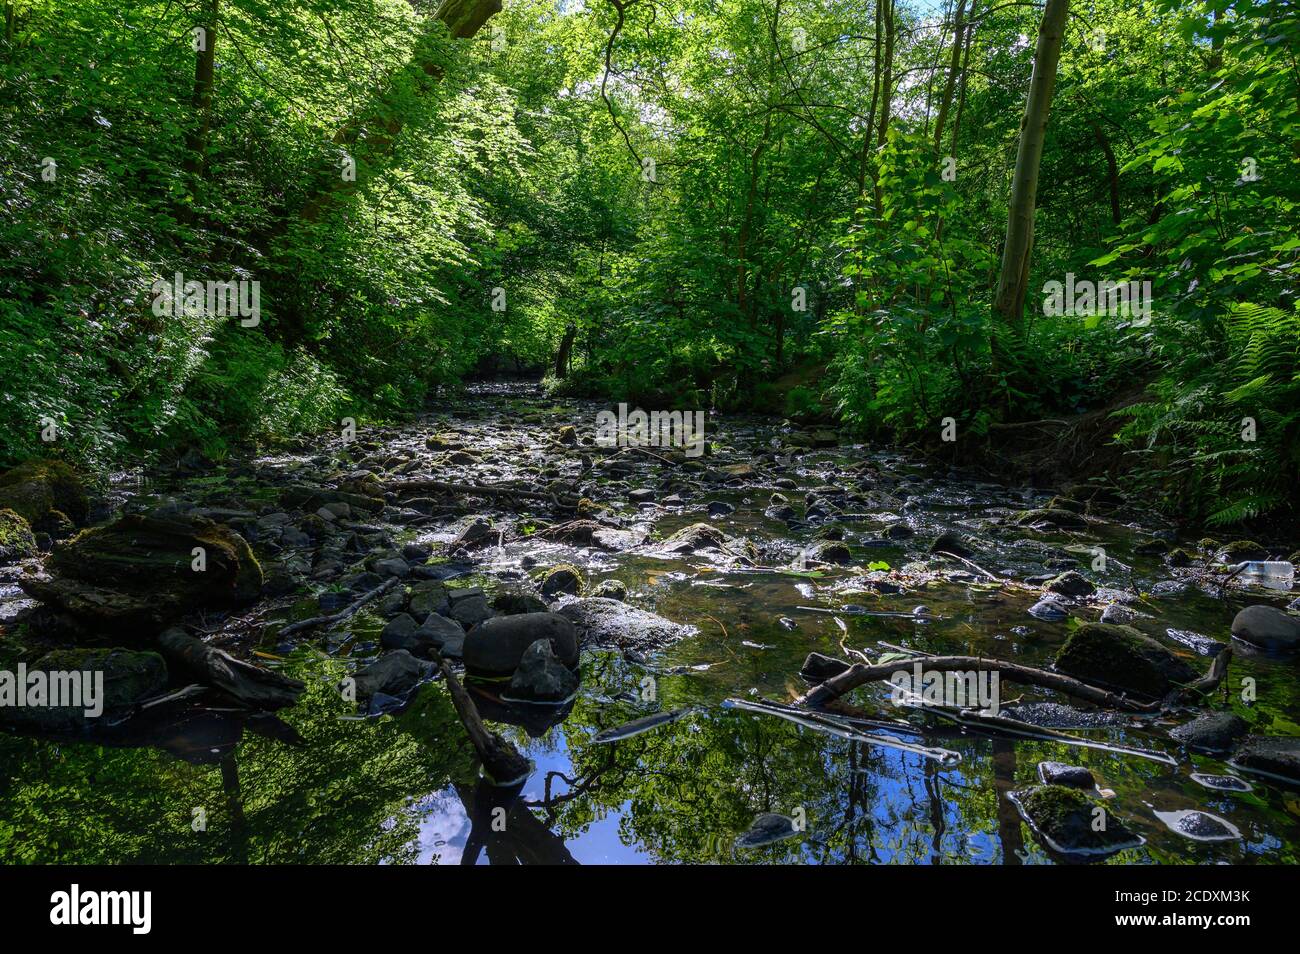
pixel 1211 731
pixel 495 647
pixel 1063 819
pixel 1274 755
pixel 832 552
pixel 17 542
pixel 1049 610
pixel 565 578
pixel 447 634
pixel 1071 584
pixel 949 542
pixel 469 606
pixel 1123 658
pixel 427 596
pixel 1241 550
pixel 1267 627
pixel 476 534
pixel 393 674
pixel 612 589
pixel 45 493
pixel 513 602
pixel 541 677
pixel 1071 776
pixel 140 573
pixel 129 677
pixel 606 622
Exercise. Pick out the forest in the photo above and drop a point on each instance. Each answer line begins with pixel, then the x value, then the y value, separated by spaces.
pixel 809 209
pixel 634 419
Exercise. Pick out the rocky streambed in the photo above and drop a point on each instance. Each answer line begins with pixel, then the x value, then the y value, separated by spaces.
pixel 639 624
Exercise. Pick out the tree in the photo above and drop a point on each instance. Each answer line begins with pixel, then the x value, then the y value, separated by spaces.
pixel 1013 280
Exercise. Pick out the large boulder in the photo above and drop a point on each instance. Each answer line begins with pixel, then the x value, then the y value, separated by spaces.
pixel 1121 657
pixel 494 647
pixel 43 492
pixel 144 571
pixel 605 622
pixel 17 541
pixel 1267 627
pixel 118 679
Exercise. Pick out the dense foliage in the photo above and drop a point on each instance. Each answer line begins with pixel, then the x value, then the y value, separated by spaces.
pixel 792 205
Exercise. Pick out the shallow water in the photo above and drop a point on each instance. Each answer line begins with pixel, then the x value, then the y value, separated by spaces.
pixel 405 789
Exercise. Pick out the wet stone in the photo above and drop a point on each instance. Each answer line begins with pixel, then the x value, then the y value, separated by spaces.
pixel 1071 776
pixel 1211 731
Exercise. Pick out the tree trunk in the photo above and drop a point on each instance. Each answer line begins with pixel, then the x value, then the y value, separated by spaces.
pixel 1112 170
pixel 954 67
pixel 1013 279
pixel 566 350
pixel 196 160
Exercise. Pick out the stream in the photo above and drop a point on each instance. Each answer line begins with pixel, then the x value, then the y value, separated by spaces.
pixel 325 782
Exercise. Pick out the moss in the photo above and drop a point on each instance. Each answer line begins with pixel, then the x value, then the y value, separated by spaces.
pixel 37 488
pixel 1239 550
pixel 1053 516
pixel 1065 818
pixel 1122 657
pixel 16 539
pixel 562 578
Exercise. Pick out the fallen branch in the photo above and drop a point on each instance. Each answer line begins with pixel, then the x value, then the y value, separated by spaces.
pixel 1209 682
pixel 501 761
pixel 972 564
pixel 859 674
pixel 342 614
pixel 253 686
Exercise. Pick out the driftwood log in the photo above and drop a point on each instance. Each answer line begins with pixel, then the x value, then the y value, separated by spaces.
pixel 252 686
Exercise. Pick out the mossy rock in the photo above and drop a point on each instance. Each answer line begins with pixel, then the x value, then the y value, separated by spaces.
pixel 16 539
pixel 563 578
pixel 142 572
pixel 1121 657
pixel 1067 503
pixel 1239 551
pixel 129 677
pixel 1066 821
pixel 40 489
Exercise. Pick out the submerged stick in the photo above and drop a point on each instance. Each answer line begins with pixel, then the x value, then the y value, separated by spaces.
pixel 342 614
pixel 859 674
pixel 501 761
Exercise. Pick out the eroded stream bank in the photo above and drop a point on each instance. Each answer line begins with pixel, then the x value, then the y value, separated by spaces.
pixel 810 546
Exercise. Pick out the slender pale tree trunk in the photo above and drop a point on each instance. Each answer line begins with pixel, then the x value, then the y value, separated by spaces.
pixel 1014 277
